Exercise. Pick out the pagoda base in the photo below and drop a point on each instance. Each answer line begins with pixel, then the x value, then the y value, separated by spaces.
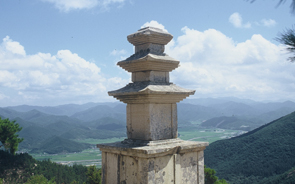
pixel 148 162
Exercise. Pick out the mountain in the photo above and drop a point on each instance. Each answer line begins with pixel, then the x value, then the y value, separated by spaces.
pixel 108 123
pixel 34 135
pixel 234 108
pixel 79 133
pixel 189 112
pixel 231 122
pixel 35 116
pixel 100 111
pixel 272 115
pixel 8 113
pixel 67 109
pixel 213 101
pixel 57 144
pixel 258 156
pixel 287 177
pixel 61 127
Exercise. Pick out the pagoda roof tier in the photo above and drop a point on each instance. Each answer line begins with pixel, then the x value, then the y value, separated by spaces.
pixel 146 61
pixel 149 92
pixel 149 35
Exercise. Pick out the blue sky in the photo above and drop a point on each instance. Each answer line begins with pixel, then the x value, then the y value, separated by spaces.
pixel 65 51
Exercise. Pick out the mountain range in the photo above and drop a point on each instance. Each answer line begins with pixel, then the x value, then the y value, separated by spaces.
pixel 107 120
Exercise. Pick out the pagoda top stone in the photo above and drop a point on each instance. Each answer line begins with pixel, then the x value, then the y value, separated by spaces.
pixel 150 68
pixel 149 35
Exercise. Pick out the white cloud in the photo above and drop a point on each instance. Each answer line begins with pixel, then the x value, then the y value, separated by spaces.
pixel 154 23
pixel 217 66
pixel 268 22
pixel 57 78
pixel 118 52
pixel 237 21
pixel 13 47
pixel 68 5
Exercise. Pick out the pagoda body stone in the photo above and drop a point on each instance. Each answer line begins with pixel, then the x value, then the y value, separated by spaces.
pixel 152 153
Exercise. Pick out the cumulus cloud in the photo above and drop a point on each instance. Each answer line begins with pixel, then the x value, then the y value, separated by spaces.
pixel 57 78
pixel 154 23
pixel 13 47
pixel 68 5
pixel 237 21
pixel 216 66
pixel 268 22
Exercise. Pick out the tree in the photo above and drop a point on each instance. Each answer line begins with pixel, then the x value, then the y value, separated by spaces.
pixel 288 38
pixel 210 177
pixel 40 179
pixel 93 175
pixel 8 136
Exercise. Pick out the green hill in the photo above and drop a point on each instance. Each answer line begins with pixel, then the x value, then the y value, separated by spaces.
pixel 60 145
pixel 33 136
pixel 78 133
pixel 260 155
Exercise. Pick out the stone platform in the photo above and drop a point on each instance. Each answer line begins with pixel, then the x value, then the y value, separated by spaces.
pixel 172 161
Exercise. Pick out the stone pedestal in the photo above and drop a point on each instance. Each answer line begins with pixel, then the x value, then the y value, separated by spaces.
pixel 172 161
pixel 152 153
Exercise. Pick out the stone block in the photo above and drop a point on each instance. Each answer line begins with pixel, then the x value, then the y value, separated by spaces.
pixel 151 121
pixel 150 47
pixel 150 76
pixel 157 162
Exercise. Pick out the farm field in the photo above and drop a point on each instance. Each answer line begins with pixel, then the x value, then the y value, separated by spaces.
pixel 86 157
pixel 93 156
pixel 206 135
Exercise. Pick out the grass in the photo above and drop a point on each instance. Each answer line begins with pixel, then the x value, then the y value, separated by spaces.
pixel 85 157
pixel 196 133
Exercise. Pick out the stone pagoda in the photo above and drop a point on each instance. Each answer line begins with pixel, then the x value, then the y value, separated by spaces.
pixel 152 153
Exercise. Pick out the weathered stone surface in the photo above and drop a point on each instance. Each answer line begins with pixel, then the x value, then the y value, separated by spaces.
pixel 149 35
pixel 171 161
pixel 151 92
pixel 145 61
pixel 150 48
pixel 151 121
pixel 152 153
pixel 150 76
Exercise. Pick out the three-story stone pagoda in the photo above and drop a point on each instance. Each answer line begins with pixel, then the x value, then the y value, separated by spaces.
pixel 152 153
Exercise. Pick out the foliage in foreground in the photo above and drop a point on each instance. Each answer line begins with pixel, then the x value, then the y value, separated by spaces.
pixel 20 167
pixel 93 175
pixel 288 39
pixel 40 179
pixel 8 136
pixel 210 177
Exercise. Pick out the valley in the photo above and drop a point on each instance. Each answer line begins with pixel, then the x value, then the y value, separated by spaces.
pixel 68 134
pixel 249 141
pixel 92 156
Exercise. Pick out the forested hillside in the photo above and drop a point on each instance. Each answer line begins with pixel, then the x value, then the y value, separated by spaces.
pixel 264 155
pixel 19 168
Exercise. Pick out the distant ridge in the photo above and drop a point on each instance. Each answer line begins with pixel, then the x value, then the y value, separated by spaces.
pixel 60 145
pixel 259 156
